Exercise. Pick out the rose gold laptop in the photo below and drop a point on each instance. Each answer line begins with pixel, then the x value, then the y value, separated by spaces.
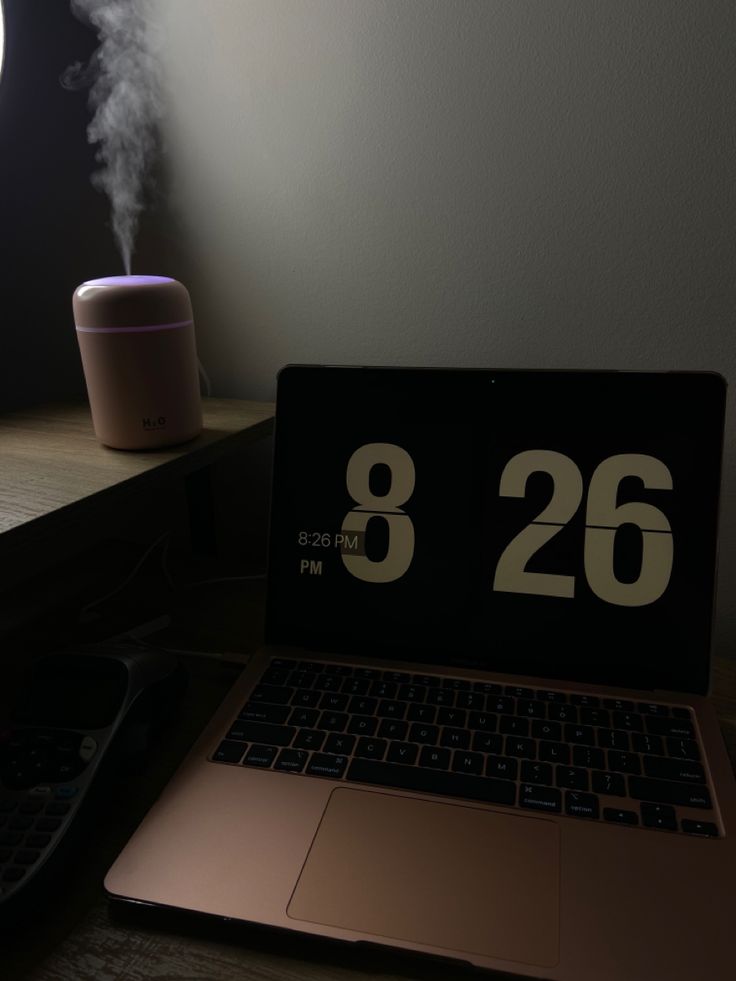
pixel 480 727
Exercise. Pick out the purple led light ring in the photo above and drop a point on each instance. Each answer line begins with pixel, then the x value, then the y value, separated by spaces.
pixel 133 330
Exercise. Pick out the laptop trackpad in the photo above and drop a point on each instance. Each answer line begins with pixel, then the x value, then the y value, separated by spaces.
pixel 448 875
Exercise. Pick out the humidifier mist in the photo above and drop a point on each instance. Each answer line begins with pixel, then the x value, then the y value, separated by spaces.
pixel 136 339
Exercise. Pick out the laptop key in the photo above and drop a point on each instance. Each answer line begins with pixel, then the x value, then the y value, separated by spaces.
pixel 464 762
pixel 486 742
pixel 581 805
pixel 427 735
pixel 412 693
pixel 371 749
pixel 595 717
pixel 511 725
pixel 470 700
pixel 332 701
pixel 651 708
pixel 339 743
pixel 306 699
pixel 260 756
pixel 686 749
pixel 434 757
pixel 613 739
pixel 324 765
pixel 356 686
pixel 389 708
pixel 361 705
pixel 619 704
pixel 455 738
pixel 430 781
pixel 540 798
pixel 229 752
pixel 309 739
pixel 580 734
pixel 623 762
pixel 538 773
pixel 422 713
pixel 483 720
pixel 562 713
pixel 706 828
pixel 333 721
pixel 551 731
pixel 525 748
pixel 589 756
pixel 503 767
pixel 669 792
pixel 399 752
pixel 392 729
pixel 658 816
pixel 362 725
pixel 553 752
pixel 257 732
pixel 456 684
pixel 452 717
pixel 612 784
pixel 572 777
pixel 620 816
pixel 275 694
pixel 592 701
pixel 441 696
pixel 263 712
pixel 643 743
pixel 291 760
pixel 531 708
pixel 304 717
pixel 678 728
pixel 683 770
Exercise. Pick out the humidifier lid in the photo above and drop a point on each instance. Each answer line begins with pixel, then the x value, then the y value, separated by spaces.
pixel 131 301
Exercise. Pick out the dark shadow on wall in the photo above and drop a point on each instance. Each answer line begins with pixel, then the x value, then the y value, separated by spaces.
pixel 54 225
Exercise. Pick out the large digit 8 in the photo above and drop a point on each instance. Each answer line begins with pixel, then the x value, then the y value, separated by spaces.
pixel 388 507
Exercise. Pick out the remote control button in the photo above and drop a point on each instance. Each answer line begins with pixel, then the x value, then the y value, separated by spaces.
pixel 87 749
pixel 65 793
pixel 42 790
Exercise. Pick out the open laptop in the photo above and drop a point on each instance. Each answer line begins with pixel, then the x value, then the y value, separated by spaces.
pixel 479 727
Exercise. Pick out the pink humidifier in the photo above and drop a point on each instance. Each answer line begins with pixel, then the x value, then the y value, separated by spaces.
pixel 136 338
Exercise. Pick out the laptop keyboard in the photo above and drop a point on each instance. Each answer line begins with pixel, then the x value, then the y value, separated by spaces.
pixel 586 756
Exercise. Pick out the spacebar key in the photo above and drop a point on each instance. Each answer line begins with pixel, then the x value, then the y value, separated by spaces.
pixel 432 781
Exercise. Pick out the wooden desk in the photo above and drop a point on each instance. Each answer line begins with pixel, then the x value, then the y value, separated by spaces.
pixel 85 941
pixel 54 471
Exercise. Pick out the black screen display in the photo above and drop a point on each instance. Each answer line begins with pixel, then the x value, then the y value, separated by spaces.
pixel 561 524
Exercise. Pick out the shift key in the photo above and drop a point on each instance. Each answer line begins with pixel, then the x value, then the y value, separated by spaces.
pixel 258 732
pixel 669 792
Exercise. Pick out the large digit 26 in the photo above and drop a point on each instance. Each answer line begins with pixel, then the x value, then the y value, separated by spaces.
pixel 603 518
pixel 387 506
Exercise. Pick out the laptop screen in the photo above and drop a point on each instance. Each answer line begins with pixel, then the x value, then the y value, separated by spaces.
pixel 558 524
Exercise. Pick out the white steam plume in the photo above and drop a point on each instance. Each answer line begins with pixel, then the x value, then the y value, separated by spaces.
pixel 125 97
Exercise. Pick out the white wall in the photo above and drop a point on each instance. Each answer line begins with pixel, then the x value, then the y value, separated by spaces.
pixel 533 183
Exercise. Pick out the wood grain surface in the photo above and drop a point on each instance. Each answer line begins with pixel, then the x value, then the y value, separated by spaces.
pixel 52 466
